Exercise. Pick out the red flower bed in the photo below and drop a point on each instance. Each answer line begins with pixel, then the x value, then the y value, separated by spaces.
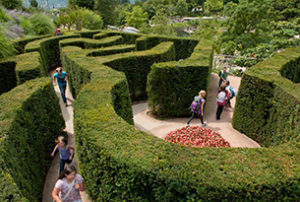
pixel 196 137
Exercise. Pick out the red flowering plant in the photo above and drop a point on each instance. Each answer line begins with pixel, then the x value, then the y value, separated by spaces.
pixel 196 137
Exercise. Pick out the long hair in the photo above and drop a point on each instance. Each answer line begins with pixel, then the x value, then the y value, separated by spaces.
pixel 68 169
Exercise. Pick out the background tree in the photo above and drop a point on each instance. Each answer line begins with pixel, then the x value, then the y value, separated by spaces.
pixel 213 5
pixel 34 3
pixel 42 24
pixel 82 3
pixel 137 18
pixel 106 9
pixel 161 24
pixel 11 4
pixel 91 20
pixel 181 8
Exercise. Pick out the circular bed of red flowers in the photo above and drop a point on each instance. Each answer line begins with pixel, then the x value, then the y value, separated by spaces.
pixel 196 137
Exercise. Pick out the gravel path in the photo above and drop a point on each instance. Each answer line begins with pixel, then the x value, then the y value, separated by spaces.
pixel 53 170
pixel 160 128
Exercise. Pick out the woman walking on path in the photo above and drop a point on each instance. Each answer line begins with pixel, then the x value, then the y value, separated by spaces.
pixel 61 78
pixel 66 152
pixel 197 108
pixel 68 186
pixel 221 101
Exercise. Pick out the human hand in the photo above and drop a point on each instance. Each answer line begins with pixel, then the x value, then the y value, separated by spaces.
pixel 52 155
pixel 76 186
pixel 70 158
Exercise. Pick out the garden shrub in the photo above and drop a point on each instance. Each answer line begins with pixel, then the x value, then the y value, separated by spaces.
pixel 121 163
pixel 92 20
pixel 268 105
pixel 171 86
pixel 136 66
pixel 42 24
pixel 8 78
pixel 112 50
pixel 51 59
pixel 88 34
pixel 183 46
pixel 21 43
pixel 30 121
pixel 27 67
pixel 128 38
pixel 91 43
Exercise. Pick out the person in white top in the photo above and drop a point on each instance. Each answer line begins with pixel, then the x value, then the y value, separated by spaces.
pixel 68 186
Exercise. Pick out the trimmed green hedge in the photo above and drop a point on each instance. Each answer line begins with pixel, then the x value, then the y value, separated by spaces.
pixel 121 163
pixel 21 43
pixel 268 105
pixel 183 46
pixel 50 54
pixel 28 67
pixel 91 43
pixel 30 120
pixel 171 86
pixel 88 34
pixel 112 50
pixel 8 78
pixel 136 66
pixel 129 38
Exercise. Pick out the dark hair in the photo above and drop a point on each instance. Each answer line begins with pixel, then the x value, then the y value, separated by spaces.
pixel 222 88
pixel 228 82
pixel 68 169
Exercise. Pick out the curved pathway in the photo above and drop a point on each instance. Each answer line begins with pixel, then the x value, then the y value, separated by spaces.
pixel 160 128
pixel 52 174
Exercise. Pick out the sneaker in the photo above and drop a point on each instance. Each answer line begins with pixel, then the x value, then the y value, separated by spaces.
pixel 204 124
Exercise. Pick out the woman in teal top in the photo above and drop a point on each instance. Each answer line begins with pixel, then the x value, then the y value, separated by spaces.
pixel 61 80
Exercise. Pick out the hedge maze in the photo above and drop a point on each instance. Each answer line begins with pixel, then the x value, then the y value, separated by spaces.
pixel 109 70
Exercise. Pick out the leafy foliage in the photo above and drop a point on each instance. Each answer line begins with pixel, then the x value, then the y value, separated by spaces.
pixel 27 111
pixel 42 24
pixel 6 46
pixel 12 4
pixel 89 4
pixel 137 18
pixel 91 20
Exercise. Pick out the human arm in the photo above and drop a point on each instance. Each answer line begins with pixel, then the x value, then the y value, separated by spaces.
pixel 79 183
pixel 55 193
pixel 202 107
pixel 80 186
pixel 54 150
pixel 72 150
pixel 66 77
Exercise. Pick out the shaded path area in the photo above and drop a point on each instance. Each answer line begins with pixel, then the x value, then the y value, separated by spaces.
pixel 52 174
pixel 160 128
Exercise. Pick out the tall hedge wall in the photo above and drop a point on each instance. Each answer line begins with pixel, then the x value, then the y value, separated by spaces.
pixel 30 121
pixel 21 43
pixel 88 34
pixel 8 78
pixel 268 104
pixel 183 46
pixel 27 66
pixel 91 43
pixel 171 86
pixel 50 55
pixel 136 66
pixel 120 163
pixel 112 50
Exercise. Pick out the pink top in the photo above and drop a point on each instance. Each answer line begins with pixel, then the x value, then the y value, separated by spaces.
pixel 64 187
